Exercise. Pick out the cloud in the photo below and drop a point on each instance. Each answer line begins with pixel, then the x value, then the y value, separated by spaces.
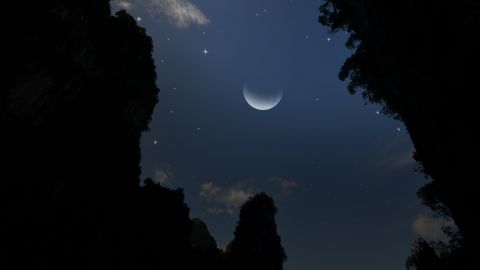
pixel 163 175
pixel 181 13
pixel 284 184
pixel 209 190
pixel 236 196
pixel 430 228
pixel 226 200
pixel 123 4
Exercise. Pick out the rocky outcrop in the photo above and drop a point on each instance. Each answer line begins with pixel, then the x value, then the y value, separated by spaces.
pixel 79 90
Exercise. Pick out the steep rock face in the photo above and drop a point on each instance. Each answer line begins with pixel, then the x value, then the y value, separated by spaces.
pixel 79 90
pixel 163 229
pixel 417 59
pixel 206 255
pixel 256 245
pixel 200 237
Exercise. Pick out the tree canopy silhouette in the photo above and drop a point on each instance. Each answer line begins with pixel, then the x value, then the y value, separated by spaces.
pixel 415 58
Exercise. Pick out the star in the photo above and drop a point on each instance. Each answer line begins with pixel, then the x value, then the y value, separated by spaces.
pixel 198 129
pixel 307 36
pixel 205 51
pixel 139 18
pixel 378 112
pixel 155 141
pixel 174 88
pixel 398 129
pixel 329 39
pixel 317 99
pixel 171 111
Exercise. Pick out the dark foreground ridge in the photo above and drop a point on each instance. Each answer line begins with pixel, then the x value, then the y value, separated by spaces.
pixel 420 60
pixel 79 88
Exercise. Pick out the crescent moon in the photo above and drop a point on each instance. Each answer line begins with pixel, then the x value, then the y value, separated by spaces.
pixel 262 102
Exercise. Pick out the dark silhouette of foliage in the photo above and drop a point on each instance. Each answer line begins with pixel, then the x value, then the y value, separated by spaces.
pixel 423 257
pixel 416 58
pixel 256 244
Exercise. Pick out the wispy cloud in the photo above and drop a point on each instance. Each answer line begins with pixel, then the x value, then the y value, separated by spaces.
pixel 209 191
pixel 430 228
pixel 163 174
pixel 284 184
pixel 181 13
pixel 123 4
pixel 226 200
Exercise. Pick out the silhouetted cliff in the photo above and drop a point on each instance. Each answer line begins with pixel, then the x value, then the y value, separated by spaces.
pixel 256 245
pixel 78 91
pixel 418 59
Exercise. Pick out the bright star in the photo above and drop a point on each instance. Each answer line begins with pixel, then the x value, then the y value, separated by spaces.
pixel 139 18
pixel 328 39
pixel 155 141
pixel 205 52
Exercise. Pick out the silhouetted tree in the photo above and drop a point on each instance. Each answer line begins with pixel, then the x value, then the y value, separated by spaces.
pixel 423 257
pixel 257 245
pixel 415 58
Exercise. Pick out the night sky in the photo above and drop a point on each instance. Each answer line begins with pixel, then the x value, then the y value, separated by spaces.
pixel 341 172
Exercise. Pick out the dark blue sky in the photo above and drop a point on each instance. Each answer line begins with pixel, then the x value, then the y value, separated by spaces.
pixel 341 174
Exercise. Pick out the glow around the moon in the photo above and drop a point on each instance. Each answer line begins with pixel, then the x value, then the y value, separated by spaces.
pixel 262 101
